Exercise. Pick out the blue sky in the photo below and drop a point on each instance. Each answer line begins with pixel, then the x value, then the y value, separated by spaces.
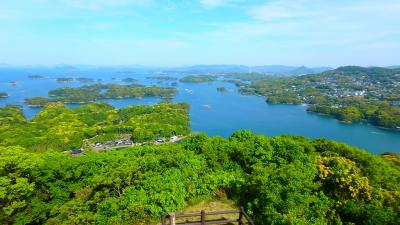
pixel 185 32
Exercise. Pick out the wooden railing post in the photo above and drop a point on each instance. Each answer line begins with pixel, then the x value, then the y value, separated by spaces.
pixel 163 222
pixel 203 217
pixel 241 212
pixel 172 218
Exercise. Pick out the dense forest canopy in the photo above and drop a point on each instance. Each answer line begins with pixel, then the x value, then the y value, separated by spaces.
pixel 91 93
pixel 348 93
pixel 280 180
pixel 60 128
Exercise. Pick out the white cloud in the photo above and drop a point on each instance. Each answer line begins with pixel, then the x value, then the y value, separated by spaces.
pixel 103 4
pixel 212 3
pixel 281 9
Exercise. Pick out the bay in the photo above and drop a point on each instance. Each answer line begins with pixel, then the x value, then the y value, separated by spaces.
pixel 212 112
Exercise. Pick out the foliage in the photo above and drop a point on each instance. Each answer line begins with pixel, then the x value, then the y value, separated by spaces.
pixel 279 180
pixel 60 128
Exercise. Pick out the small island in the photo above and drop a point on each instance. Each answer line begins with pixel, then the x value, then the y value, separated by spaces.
pixel 38 101
pixel 221 89
pixel 129 80
pixel 85 80
pixel 125 72
pixel 64 79
pixel 3 95
pixel 161 78
pixel 91 93
pixel 198 79
pixel 35 77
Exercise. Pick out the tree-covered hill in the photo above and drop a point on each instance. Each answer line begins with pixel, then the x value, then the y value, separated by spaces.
pixel 61 128
pixel 348 93
pixel 91 93
pixel 279 180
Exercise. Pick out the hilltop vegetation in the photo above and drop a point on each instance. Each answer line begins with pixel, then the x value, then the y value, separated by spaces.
pixel 91 93
pixel 280 180
pixel 198 79
pixel 347 93
pixel 60 128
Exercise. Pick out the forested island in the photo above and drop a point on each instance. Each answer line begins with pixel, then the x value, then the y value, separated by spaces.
pixel 348 93
pixel 3 95
pixel 91 93
pixel 85 80
pixel 161 78
pixel 198 79
pixel 35 77
pixel 129 80
pixel 64 79
pixel 221 89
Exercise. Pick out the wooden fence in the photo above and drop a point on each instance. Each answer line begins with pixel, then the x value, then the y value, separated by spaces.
pixel 242 218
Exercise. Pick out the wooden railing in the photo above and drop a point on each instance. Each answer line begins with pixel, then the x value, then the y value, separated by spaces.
pixel 242 218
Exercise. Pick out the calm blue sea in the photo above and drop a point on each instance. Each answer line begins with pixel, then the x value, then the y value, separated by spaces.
pixel 211 112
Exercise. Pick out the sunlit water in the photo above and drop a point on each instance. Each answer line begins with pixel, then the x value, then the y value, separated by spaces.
pixel 211 112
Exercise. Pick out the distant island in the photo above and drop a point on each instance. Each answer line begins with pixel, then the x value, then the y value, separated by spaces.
pixel 161 78
pixel 129 80
pixel 92 93
pixel 85 80
pixel 3 95
pixel 64 79
pixel 35 77
pixel 125 72
pixel 198 79
pixel 348 93
pixel 221 89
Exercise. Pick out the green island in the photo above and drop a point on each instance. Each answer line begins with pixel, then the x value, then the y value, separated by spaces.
pixel 161 78
pixel 198 79
pixel 64 79
pixel 279 180
pixel 91 93
pixel 85 80
pixel 221 89
pixel 349 94
pixel 3 95
pixel 35 77
pixel 129 80
pixel 60 128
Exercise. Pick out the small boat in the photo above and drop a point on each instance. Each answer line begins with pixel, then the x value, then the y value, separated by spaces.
pixel 206 106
